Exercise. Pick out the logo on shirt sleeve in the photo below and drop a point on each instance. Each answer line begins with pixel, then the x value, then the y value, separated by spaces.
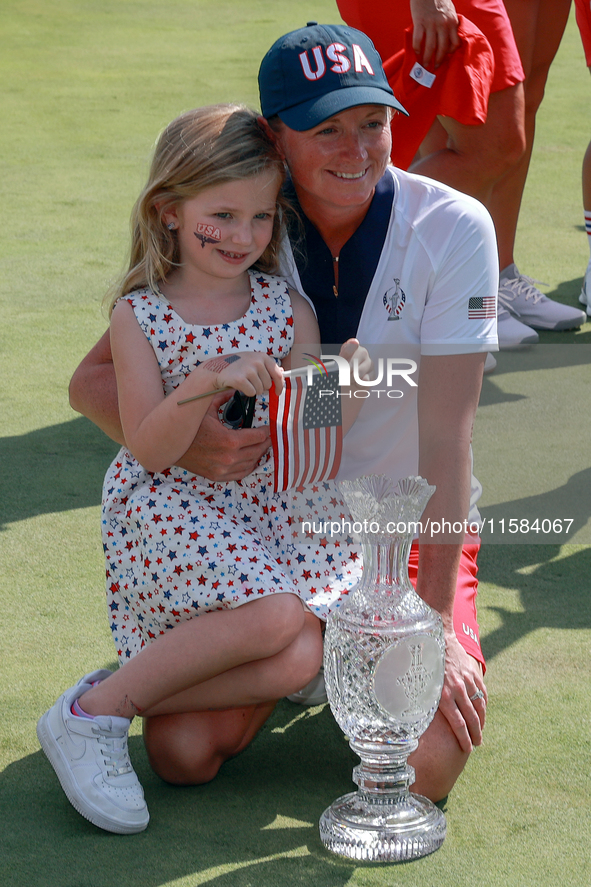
pixel 394 300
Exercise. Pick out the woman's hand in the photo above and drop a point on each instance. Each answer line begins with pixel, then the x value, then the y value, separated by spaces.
pixel 352 351
pixel 222 454
pixel 463 680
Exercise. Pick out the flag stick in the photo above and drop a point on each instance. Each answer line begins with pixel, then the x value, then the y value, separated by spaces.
pixel 199 396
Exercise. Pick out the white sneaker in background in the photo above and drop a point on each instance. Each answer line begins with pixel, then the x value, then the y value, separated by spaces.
pixel 490 364
pixel 584 298
pixel 512 333
pixel 520 296
pixel 313 693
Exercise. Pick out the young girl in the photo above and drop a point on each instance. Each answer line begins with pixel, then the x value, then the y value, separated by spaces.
pixel 197 312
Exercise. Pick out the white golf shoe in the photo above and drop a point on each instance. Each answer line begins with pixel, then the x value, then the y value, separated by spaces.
pixel 519 294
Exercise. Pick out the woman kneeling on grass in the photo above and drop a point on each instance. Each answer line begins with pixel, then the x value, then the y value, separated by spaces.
pixel 378 245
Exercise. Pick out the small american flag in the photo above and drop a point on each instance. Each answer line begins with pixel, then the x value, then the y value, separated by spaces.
pixel 482 306
pixel 306 430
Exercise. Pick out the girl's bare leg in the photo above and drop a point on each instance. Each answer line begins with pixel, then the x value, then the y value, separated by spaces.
pixel 188 738
pixel 255 682
pixel 206 687
pixel 196 651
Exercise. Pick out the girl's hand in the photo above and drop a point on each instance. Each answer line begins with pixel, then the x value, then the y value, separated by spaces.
pixel 251 372
pixel 353 351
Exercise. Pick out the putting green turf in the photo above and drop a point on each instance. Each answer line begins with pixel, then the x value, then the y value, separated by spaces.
pixel 87 85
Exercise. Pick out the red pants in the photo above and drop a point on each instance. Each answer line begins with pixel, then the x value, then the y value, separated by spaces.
pixel 465 618
pixel 385 21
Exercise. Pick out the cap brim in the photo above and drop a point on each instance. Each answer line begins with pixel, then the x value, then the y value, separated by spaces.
pixel 310 114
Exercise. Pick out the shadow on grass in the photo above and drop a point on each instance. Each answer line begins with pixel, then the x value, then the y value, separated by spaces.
pixel 566 508
pixel 554 594
pixel 62 467
pixel 256 824
pixel 568 291
pixel 554 351
pixel 53 469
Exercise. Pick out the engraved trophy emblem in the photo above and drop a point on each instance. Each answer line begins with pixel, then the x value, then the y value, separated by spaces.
pixel 384 659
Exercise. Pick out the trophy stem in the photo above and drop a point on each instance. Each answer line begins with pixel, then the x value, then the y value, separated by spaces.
pixel 383 772
pixel 382 821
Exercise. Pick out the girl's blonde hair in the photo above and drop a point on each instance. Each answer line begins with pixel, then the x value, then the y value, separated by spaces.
pixel 201 148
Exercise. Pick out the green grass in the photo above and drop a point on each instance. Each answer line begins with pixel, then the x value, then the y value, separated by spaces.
pixel 87 85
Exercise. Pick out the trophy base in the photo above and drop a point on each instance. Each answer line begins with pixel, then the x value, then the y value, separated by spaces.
pixel 409 828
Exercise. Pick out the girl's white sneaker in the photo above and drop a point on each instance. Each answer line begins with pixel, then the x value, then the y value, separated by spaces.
pixel 91 760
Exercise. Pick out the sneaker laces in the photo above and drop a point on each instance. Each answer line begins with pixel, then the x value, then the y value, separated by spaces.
pixel 522 286
pixel 115 754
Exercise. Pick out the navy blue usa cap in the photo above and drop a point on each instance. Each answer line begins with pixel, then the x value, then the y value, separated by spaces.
pixel 315 72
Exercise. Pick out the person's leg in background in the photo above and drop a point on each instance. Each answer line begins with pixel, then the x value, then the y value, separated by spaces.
pixel 538 26
pixel 583 10
pixel 585 297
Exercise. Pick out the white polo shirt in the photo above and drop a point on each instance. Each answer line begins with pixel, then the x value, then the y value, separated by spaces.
pixel 433 292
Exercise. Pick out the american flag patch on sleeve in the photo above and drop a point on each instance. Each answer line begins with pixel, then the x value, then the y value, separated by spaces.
pixel 482 306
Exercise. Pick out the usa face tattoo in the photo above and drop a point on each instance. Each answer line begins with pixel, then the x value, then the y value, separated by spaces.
pixel 207 233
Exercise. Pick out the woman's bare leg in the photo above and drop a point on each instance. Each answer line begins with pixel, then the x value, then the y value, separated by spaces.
pixel 585 296
pixel 538 26
pixel 439 760
pixel 587 179
pixel 206 687
pixel 473 158
pixel 190 748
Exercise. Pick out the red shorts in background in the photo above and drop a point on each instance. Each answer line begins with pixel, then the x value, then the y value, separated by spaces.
pixel 486 61
pixel 385 21
pixel 458 88
pixel 583 13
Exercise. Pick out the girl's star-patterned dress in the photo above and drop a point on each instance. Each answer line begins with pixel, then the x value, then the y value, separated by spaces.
pixel 178 545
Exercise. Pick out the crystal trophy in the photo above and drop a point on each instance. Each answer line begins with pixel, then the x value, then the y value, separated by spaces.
pixel 384 658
